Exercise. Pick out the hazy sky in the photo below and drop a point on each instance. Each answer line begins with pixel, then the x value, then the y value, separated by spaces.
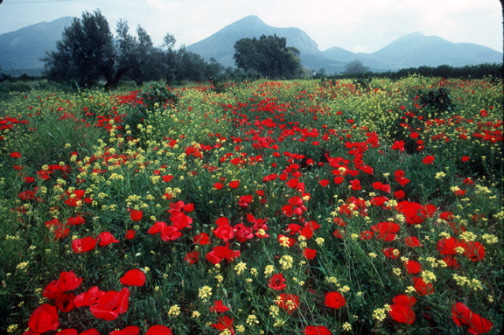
pixel 355 25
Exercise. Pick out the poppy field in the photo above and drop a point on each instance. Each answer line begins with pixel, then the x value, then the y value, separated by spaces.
pixel 288 207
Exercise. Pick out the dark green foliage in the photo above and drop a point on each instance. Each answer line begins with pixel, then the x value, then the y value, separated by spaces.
pixel 269 56
pixel 85 52
pixel 437 100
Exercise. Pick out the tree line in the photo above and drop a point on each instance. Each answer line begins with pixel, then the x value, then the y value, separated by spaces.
pixel 88 54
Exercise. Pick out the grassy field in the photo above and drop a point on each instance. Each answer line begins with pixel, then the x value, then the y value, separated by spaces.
pixel 290 207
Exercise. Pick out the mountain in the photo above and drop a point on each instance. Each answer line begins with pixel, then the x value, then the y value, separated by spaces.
pixel 412 50
pixel 21 50
pixel 220 45
pixel 415 50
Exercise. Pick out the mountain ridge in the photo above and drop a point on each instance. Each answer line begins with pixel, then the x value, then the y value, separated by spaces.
pixel 22 50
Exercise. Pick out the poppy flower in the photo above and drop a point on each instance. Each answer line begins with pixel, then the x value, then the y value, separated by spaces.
pixel 202 239
pixel 69 331
pixel 428 160
pixel 130 330
pixel 464 317
pixel 85 244
pixel 218 307
pixel 133 277
pixel 234 184
pixel 75 221
pixel 43 319
pixel 111 304
pixel 224 232
pixel 130 234
pixel 243 233
pixel 89 297
pixel 170 233
pixel 192 257
pixel 309 253
pixel 324 182
pixel 401 310
pixel 224 323
pixel 421 287
pixel 106 238
pixel 92 331
pixel 317 330
pixel 288 302
pixel 277 282
pixel 15 155
pixel 334 300
pixel 413 267
pixel 475 251
pixel 65 302
pixel 159 330
pixel 135 215
pixel 412 241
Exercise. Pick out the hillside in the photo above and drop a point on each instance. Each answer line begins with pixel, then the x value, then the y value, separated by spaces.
pixel 22 50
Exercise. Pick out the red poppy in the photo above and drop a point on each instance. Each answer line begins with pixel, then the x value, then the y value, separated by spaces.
pixel 85 244
pixel 130 234
pixel 75 221
pixel 386 230
pixel 136 215
pixel 422 287
pixel 309 253
pixel 355 185
pixel 130 330
pixel 224 322
pixel 412 241
pixel 65 302
pixel 15 155
pixel 401 309
pixel 475 251
pixel 224 232
pixel 159 330
pixel 156 228
pixel 133 277
pixel 464 317
pixel 413 267
pixel 324 182
pixel 391 253
pixel 245 200
pixel 202 239
pixel 234 184
pixel 399 194
pixel 92 331
pixel 111 304
pixel 218 307
pixel 277 282
pixel 106 238
pixel 220 253
pixel 366 235
pixel 428 160
pixel 334 300
pixel 192 257
pixel 69 331
pixel 89 297
pixel 43 319
pixel 288 302
pixel 317 330
pixel 170 233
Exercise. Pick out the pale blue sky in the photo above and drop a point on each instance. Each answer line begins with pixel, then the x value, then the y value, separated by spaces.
pixel 355 25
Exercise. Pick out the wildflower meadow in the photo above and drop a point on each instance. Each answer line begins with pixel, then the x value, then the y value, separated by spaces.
pixel 286 207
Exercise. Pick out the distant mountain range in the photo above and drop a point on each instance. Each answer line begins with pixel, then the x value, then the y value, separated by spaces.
pixel 21 51
pixel 412 50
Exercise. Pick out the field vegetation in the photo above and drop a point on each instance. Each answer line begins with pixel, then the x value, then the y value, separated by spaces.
pixel 265 207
